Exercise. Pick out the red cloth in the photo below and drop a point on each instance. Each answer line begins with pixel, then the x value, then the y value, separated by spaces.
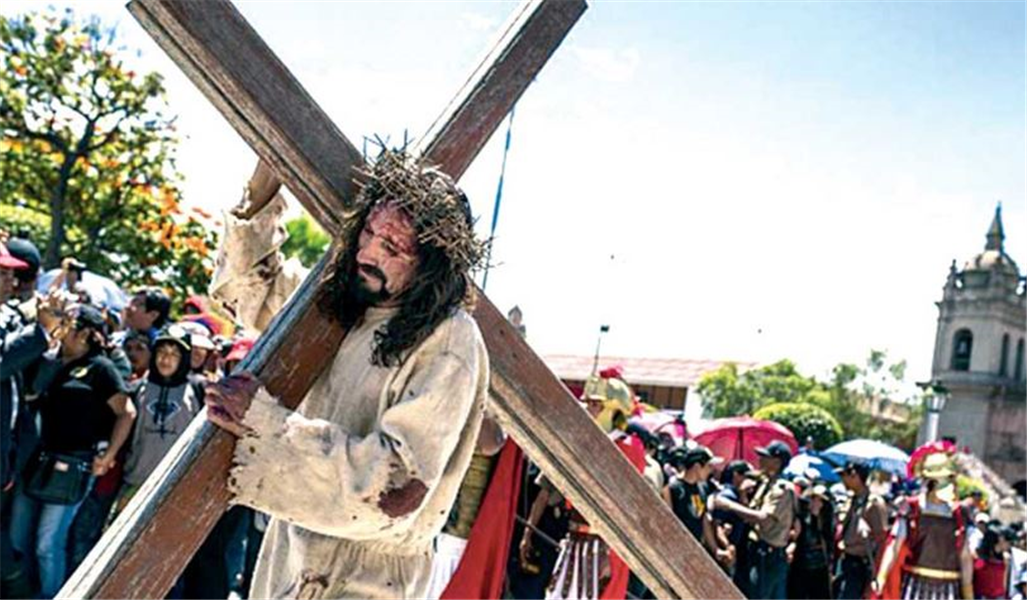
pixel 617 588
pixel 892 589
pixel 482 568
pixel 989 578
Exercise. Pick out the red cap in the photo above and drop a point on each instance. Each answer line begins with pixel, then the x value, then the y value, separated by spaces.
pixel 240 349
pixel 194 301
pixel 7 261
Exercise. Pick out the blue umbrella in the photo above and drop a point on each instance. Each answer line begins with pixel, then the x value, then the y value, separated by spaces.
pixel 806 464
pixel 878 455
pixel 102 290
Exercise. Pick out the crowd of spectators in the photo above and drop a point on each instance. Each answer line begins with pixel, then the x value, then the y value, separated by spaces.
pixel 780 536
pixel 92 400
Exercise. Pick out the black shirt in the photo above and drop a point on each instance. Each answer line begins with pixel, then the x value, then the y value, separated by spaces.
pixel 689 503
pixel 74 412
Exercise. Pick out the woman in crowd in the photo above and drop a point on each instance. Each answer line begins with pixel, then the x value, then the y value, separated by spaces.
pixel 85 418
pixel 990 564
pixel 810 572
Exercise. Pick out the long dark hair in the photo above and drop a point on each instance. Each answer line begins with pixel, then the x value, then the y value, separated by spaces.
pixel 438 290
pixel 988 550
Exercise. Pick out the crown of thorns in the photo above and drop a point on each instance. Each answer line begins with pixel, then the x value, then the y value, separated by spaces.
pixel 439 210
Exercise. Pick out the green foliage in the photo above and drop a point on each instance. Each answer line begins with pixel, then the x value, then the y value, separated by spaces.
pixel 845 397
pixel 967 485
pixel 307 241
pixel 20 220
pixel 730 393
pixel 804 421
pixel 86 143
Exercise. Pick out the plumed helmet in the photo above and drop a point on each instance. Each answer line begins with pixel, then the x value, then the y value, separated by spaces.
pixel 616 396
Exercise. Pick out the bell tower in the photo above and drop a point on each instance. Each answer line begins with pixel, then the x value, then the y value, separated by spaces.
pixel 979 356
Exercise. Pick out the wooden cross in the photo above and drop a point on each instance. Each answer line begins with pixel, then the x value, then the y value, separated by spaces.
pixel 149 545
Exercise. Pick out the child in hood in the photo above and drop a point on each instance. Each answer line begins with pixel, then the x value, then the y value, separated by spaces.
pixel 167 403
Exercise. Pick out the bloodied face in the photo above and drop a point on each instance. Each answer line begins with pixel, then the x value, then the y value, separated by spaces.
pixel 387 259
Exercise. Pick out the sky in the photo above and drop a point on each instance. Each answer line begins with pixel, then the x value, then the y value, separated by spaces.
pixel 722 180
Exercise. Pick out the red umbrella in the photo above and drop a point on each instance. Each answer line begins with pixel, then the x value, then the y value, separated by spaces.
pixel 736 438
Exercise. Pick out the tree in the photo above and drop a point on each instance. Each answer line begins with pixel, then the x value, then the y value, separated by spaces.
pixel 88 150
pixel 805 421
pixel 307 241
pixel 729 393
pixel 851 392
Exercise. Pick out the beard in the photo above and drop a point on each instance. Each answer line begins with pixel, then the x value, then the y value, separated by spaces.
pixel 359 291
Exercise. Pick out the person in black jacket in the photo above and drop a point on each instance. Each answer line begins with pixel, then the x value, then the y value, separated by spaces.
pixel 85 418
pixel 810 573
pixel 22 343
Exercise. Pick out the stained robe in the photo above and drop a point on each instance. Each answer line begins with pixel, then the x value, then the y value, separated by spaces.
pixel 360 478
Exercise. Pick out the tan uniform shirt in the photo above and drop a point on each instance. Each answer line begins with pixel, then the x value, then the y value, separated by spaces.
pixel 867 527
pixel 361 477
pixel 778 499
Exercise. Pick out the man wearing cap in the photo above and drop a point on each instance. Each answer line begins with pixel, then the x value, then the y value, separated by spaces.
pixel 771 514
pixel 864 530
pixel 687 493
pixel 25 278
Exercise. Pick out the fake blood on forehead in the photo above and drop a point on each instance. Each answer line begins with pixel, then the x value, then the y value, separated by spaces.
pixel 390 222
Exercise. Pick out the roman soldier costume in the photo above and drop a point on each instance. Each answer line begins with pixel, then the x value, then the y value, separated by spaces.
pixel 586 567
pixel 927 554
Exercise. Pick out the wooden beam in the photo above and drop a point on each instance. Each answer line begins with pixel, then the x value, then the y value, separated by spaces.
pixel 555 432
pixel 149 544
pixel 525 43
pixel 240 75
pixel 146 549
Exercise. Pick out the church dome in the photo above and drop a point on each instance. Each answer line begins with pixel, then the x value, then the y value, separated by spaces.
pixel 994 258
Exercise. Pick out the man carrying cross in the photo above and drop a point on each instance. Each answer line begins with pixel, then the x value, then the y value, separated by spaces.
pixel 361 477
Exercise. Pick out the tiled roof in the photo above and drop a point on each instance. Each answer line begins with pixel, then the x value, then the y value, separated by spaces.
pixel 670 372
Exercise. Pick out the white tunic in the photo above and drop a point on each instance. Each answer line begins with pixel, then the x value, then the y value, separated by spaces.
pixel 362 476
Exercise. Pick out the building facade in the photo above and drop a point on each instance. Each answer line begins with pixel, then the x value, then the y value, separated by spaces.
pixel 979 357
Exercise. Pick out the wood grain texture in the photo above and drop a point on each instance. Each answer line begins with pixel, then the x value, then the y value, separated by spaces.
pixel 554 430
pixel 260 98
pixel 145 551
pixel 525 42
pixel 295 349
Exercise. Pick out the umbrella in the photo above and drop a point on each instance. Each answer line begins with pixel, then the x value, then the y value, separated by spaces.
pixel 878 455
pixel 663 421
pixel 738 437
pixel 802 464
pixel 102 290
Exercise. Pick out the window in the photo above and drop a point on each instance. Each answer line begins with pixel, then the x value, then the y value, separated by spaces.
pixel 1003 368
pixel 962 346
pixel 1018 368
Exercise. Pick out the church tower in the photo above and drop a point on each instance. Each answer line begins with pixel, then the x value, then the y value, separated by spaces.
pixel 979 357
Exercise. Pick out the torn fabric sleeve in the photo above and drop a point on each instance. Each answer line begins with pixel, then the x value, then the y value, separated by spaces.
pixel 314 474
